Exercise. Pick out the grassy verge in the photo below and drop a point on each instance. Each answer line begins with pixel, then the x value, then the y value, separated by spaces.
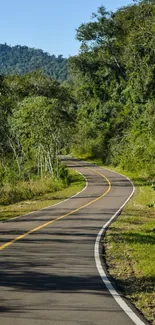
pixel 44 196
pixel 130 250
pixel 129 246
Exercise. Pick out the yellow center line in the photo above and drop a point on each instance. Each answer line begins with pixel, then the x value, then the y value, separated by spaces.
pixel 61 217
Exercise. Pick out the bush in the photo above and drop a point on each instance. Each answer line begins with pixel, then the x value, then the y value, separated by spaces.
pixel 26 190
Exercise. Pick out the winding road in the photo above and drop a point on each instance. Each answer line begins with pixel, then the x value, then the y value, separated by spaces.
pixel 49 270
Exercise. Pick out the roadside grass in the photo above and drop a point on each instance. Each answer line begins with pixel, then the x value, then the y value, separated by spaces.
pixel 129 244
pixel 45 195
pixel 129 247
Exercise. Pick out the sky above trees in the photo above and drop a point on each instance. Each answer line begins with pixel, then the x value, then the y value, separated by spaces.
pixel 49 24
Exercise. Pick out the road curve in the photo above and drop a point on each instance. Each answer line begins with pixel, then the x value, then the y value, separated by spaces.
pixel 48 273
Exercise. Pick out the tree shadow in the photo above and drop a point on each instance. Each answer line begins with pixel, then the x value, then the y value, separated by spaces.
pixel 143 181
pixel 37 281
pixel 133 238
pixel 138 181
pixel 137 285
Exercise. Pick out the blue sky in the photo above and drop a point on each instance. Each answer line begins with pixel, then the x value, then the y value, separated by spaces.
pixel 48 24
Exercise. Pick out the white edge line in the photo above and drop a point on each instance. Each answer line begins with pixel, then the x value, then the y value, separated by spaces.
pixel 29 213
pixel 103 275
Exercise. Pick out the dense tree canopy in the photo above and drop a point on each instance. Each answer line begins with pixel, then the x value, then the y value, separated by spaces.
pixel 105 109
pixel 113 78
pixel 36 119
pixel 22 59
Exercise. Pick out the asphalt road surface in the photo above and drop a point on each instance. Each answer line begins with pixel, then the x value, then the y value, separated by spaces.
pixel 48 273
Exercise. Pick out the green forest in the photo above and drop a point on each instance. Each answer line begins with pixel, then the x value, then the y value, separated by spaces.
pixel 105 110
pixel 114 86
pixel 36 120
pixel 23 59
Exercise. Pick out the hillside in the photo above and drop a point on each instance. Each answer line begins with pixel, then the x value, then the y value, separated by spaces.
pixel 22 59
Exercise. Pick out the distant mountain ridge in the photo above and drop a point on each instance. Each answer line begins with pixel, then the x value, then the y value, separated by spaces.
pixel 23 59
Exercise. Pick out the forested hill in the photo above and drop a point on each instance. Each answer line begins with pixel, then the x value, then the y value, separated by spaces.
pixel 22 59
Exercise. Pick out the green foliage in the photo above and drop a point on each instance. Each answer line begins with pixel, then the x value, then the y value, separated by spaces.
pixel 104 110
pixel 113 81
pixel 22 190
pixel 44 192
pixel 20 60
pixel 36 121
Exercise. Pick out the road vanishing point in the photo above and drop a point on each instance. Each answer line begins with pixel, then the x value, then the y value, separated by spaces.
pixel 52 271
